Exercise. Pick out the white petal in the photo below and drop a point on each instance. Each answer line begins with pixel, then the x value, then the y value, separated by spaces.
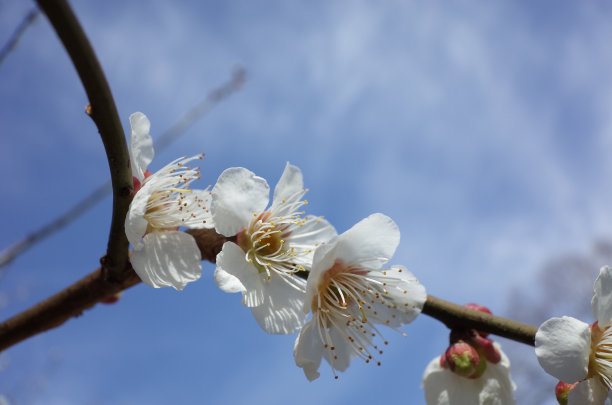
pixel 314 233
pixel 227 282
pixel 372 241
pixel 135 223
pixel 588 392
pixel 498 386
pixel 200 198
pixel 231 260
pixel 290 184
pixel 281 312
pixel 409 292
pixel 442 387
pixel 601 304
pixel 563 346
pixel 343 352
pixel 141 144
pixel 323 259
pixel 308 351
pixel 169 258
pixel 237 195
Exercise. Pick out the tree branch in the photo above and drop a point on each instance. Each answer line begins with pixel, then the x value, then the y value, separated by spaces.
pixel 11 44
pixel 57 309
pixel 104 114
pixel 457 316
pixel 84 294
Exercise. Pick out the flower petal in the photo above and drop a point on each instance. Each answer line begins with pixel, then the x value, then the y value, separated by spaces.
pixel 314 232
pixel 231 261
pixel 200 199
pixel 340 358
pixel 494 387
pixel 289 187
pixel 281 311
pixel 563 346
pixel 238 194
pixel 227 282
pixel 588 392
pixel 308 351
pixel 372 241
pixel 167 258
pixel 409 296
pixel 442 387
pixel 141 144
pixel 601 304
pixel 499 386
pixel 135 223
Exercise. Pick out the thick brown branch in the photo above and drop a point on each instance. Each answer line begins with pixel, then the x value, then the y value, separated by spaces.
pixel 59 308
pixel 104 114
pixel 457 316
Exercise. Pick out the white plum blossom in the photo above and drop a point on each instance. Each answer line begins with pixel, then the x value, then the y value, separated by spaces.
pixel 493 387
pixel 163 256
pixel 274 246
pixel 571 351
pixel 349 294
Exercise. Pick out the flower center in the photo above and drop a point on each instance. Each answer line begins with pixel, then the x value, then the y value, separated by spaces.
pixel 264 244
pixel 171 203
pixel 352 299
pixel 162 208
pixel 600 360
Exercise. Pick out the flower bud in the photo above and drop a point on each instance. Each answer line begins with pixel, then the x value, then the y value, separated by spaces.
pixel 462 359
pixel 562 390
pixel 486 348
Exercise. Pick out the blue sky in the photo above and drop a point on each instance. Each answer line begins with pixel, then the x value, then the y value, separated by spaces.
pixel 483 130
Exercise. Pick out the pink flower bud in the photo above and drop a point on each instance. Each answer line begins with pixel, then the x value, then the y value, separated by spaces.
pixel 562 390
pixel 462 359
pixel 486 348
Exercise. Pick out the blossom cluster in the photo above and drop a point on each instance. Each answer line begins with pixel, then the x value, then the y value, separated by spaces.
pixel 294 272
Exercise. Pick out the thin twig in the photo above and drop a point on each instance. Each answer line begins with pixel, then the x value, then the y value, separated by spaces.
pixel 457 316
pixel 58 223
pixel 84 294
pixel 105 116
pixel 12 42
pixel 176 130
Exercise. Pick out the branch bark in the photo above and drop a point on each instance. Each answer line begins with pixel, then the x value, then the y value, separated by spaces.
pixel 104 114
pixel 84 294
pixel 457 316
